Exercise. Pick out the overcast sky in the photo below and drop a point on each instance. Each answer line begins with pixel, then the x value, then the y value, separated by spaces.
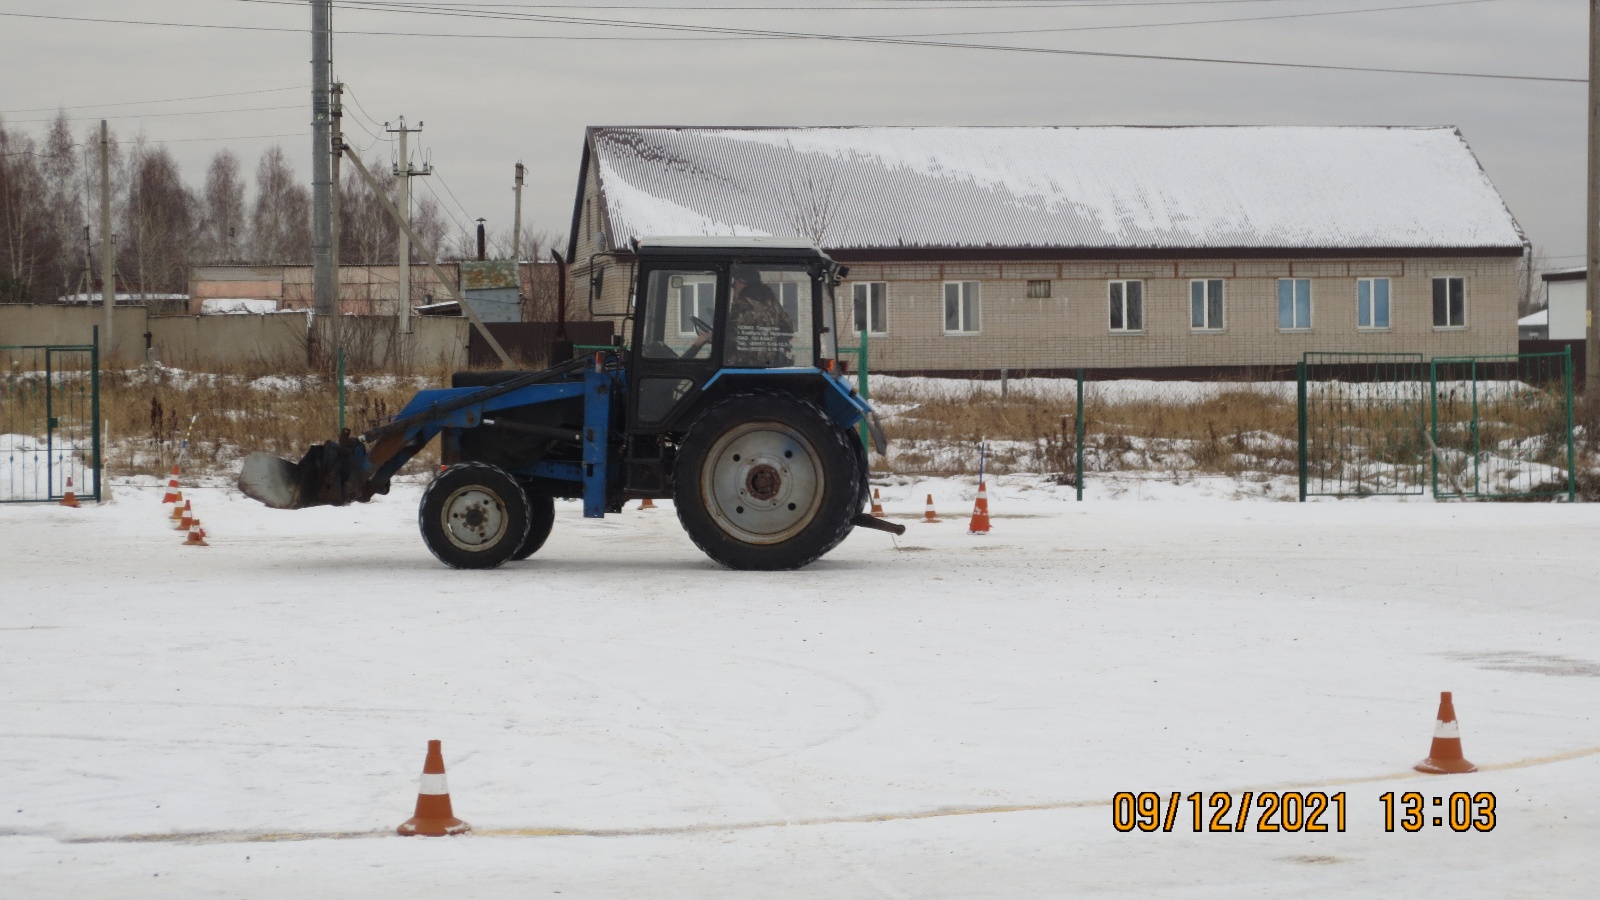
pixel 527 91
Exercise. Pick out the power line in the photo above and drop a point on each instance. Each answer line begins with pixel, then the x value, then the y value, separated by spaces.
pixel 197 112
pixel 432 10
pixel 446 185
pixel 167 100
pixel 744 32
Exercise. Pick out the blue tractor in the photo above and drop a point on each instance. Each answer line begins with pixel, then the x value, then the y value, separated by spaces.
pixel 728 400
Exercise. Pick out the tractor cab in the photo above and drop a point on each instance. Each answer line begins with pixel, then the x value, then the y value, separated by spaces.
pixel 709 309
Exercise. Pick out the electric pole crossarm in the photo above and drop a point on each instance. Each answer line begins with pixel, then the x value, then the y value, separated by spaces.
pixel 428 257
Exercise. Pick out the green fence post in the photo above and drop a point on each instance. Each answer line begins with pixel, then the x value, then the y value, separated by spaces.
pixel 94 407
pixel 1077 474
pixel 1572 455
pixel 1300 424
pixel 1433 425
pixel 861 387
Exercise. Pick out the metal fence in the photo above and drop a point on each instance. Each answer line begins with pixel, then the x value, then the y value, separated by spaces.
pixel 1336 425
pixel 1501 426
pixel 49 422
pixel 1361 424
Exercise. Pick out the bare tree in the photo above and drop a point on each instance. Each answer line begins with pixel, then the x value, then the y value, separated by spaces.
pixel 280 222
pixel 58 166
pixel 814 204
pixel 25 259
pixel 160 221
pixel 222 211
pixel 367 235
pixel 1530 296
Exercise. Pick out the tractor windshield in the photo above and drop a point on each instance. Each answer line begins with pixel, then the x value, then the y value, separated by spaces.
pixel 769 316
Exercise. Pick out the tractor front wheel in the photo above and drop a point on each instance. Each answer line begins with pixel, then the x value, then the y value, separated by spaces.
pixel 766 482
pixel 541 518
pixel 474 516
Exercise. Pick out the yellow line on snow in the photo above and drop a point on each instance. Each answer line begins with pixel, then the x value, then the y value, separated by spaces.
pixel 246 837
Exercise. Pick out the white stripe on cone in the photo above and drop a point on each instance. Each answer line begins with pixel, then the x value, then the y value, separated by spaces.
pixel 1446 730
pixel 433 784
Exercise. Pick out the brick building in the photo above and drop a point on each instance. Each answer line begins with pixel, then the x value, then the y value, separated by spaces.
pixel 1109 248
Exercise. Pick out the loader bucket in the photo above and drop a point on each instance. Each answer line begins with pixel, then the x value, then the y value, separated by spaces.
pixel 276 482
pixel 329 474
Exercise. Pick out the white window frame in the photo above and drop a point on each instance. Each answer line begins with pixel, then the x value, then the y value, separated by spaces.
pixel 881 325
pixel 969 302
pixel 697 285
pixel 1372 304
pixel 1205 285
pixel 1110 322
pixel 1311 306
pixel 1432 286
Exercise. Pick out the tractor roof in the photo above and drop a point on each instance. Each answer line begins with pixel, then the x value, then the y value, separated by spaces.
pixel 713 245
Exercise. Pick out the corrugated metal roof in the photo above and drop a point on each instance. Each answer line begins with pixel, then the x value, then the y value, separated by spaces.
pixel 1056 187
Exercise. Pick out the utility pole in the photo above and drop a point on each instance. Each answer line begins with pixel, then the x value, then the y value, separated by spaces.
pixel 405 172
pixel 1591 331
pixel 324 301
pixel 108 263
pixel 516 222
pixel 337 149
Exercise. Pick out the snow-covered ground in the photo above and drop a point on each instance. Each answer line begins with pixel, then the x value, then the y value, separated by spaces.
pixel 943 716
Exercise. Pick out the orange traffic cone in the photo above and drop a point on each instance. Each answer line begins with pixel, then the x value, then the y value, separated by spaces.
pixel 185 518
pixel 69 499
pixel 1444 756
pixel 648 504
pixel 877 505
pixel 177 510
pixel 980 511
pixel 929 515
pixel 197 537
pixel 434 817
pixel 173 495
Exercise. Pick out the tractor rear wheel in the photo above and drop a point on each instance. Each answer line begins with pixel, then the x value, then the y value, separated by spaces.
pixel 766 482
pixel 474 516
pixel 541 518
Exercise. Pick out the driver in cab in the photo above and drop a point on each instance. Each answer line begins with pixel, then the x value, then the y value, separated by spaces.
pixel 762 330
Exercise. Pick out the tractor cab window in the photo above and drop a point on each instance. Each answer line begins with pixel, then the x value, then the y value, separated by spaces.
pixel 680 307
pixel 769 316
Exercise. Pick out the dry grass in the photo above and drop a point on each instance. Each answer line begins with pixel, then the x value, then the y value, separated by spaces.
pixel 151 412
pixel 1230 431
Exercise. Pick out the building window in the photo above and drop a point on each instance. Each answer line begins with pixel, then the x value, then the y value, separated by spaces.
pixel 1449 303
pixel 1294 304
pixel 1038 290
pixel 1205 304
pixel 789 299
pixel 697 299
pixel 1372 303
pixel 871 306
pixel 1127 305
pixel 961 307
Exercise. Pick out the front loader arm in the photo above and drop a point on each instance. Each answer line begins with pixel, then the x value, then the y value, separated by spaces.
pixel 354 469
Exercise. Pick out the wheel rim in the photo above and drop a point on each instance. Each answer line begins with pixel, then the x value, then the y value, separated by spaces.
pixel 762 482
pixel 474 518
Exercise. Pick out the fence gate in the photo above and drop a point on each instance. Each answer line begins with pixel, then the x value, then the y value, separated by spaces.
pixel 49 422
pixel 1501 426
pixel 1363 424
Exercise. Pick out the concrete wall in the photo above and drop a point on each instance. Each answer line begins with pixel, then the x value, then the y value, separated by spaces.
pixel 30 325
pixel 279 342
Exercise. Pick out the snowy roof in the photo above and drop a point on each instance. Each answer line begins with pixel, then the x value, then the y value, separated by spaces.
pixel 1534 320
pixel 218 306
pixel 1196 188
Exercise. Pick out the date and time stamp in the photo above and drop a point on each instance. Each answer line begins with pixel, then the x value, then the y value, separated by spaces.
pixel 1296 811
